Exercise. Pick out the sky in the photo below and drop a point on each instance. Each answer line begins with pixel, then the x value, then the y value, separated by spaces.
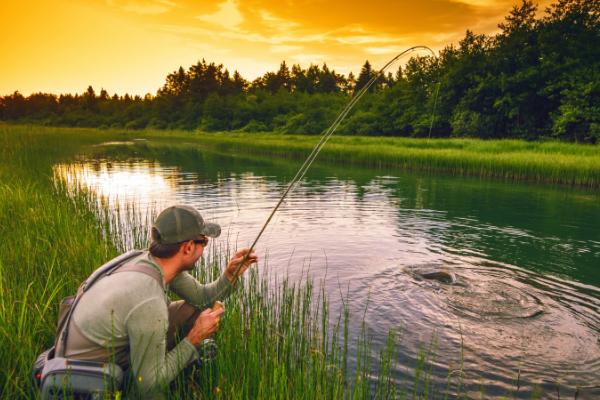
pixel 129 46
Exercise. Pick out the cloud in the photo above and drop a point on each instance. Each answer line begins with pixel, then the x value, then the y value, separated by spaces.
pixel 364 39
pixel 153 7
pixel 349 25
pixel 384 50
pixel 283 48
pixel 228 15
pixel 276 23
pixel 342 33
pixel 310 58
pixel 484 3
pixel 347 21
pixel 380 16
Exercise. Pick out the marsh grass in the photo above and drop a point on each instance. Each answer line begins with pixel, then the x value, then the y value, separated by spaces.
pixel 50 242
pixel 277 339
pixel 550 162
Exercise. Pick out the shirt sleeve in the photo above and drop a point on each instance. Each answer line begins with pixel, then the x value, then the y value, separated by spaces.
pixel 192 291
pixel 153 368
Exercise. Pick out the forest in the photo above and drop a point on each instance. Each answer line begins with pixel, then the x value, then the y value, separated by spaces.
pixel 537 78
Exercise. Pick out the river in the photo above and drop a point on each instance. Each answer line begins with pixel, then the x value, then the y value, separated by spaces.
pixel 519 305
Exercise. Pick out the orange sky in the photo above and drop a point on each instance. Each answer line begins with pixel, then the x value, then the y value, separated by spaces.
pixel 130 46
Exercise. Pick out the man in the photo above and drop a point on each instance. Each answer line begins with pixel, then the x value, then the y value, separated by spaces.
pixel 126 316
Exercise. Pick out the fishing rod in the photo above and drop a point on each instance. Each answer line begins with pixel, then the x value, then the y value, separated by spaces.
pixel 317 149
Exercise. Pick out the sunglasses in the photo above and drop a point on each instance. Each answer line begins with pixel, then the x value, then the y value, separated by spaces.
pixel 203 241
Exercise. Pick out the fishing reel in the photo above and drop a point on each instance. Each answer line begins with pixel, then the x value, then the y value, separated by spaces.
pixel 207 351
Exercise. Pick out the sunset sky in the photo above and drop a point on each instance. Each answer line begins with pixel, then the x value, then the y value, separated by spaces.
pixel 129 46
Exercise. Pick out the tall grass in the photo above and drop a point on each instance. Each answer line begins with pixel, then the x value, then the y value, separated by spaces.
pixel 50 242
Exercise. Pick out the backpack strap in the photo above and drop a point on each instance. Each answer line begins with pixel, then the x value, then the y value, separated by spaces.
pixel 143 269
pixel 109 267
pixel 102 271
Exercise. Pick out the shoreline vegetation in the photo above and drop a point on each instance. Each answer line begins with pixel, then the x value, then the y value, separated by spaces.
pixel 277 341
pixel 545 162
pixel 548 162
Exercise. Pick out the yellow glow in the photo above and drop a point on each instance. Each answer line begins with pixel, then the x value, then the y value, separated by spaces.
pixel 130 46
pixel 146 184
pixel 228 15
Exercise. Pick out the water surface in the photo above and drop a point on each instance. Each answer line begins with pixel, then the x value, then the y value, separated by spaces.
pixel 523 301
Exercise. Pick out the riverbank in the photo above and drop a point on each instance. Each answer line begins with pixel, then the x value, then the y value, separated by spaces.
pixel 277 341
pixel 549 162
pixel 516 160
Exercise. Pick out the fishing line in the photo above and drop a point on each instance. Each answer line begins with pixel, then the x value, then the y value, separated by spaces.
pixel 317 149
pixel 437 91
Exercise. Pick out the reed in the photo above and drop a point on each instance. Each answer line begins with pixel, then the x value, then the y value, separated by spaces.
pixel 50 242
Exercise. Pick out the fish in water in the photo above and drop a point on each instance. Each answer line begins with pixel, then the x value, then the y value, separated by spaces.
pixel 432 272
pixel 440 276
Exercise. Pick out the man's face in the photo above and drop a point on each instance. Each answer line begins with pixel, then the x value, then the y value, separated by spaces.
pixel 197 248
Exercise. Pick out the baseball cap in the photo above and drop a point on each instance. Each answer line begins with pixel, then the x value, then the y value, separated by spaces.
pixel 179 223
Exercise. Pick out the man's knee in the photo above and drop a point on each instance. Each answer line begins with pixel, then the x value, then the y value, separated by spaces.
pixel 182 316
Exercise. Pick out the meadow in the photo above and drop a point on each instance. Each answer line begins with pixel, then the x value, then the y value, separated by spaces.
pixel 278 339
pixel 549 162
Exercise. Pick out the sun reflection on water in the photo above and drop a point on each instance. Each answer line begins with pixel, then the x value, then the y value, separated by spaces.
pixel 146 184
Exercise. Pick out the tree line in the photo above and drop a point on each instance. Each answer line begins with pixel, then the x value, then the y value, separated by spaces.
pixel 539 77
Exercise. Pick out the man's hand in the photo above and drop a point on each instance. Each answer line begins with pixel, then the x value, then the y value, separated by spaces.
pixel 205 325
pixel 234 263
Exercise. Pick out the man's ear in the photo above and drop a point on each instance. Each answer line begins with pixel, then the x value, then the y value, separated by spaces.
pixel 186 248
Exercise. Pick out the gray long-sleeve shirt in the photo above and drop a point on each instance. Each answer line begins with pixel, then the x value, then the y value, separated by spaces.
pixel 130 310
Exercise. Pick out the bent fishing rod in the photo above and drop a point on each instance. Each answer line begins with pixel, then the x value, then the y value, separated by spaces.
pixel 317 149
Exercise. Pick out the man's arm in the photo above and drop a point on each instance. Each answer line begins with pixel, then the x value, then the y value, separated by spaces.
pixel 189 289
pixel 192 291
pixel 153 368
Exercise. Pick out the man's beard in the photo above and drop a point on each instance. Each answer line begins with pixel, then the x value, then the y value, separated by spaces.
pixel 190 266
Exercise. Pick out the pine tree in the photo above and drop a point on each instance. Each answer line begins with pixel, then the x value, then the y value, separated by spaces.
pixel 366 73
